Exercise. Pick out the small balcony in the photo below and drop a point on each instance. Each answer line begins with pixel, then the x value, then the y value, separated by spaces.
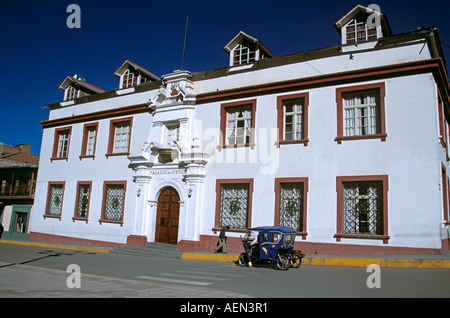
pixel 20 189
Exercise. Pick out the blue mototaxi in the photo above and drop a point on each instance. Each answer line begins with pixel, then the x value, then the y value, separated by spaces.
pixel 270 244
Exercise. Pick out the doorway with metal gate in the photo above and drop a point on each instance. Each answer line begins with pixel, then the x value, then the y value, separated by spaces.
pixel 167 216
pixel 18 225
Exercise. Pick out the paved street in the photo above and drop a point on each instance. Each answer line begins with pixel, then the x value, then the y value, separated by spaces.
pixel 28 271
pixel 34 271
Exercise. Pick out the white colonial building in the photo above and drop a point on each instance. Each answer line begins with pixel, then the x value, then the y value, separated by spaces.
pixel 347 144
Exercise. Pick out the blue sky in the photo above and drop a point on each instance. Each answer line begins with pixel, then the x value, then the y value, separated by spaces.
pixel 38 50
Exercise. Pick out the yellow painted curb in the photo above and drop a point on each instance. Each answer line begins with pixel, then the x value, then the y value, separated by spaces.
pixel 63 247
pixel 382 262
pixel 210 257
pixel 340 261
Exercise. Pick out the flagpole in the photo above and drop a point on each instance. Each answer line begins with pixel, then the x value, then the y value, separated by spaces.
pixel 185 37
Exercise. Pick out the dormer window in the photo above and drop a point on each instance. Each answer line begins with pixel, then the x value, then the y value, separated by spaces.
pixel 245 49
pixel 362 24
pixel 129 79
pixel 131 74
pixel 71 93
pixel 75 87
pixel 244 53
pixel 357 31
pixel 75 91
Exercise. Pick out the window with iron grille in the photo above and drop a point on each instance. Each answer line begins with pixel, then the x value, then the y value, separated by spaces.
pixel 291 205
pixel 362 208
pixel 234 205
pixel 55 200
pixel 84 193
pixel 114 199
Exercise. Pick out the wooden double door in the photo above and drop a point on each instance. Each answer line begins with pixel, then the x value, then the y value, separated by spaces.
pixel 167 216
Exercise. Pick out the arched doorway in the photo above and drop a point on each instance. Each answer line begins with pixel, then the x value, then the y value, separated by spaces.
pixel 167 216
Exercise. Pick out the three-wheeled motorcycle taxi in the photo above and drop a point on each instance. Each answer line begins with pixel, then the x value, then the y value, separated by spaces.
pixel 270 244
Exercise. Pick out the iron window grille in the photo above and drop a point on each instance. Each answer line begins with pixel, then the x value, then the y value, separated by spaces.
pixel 234 205
pixel 291 205
pixel 54 207
pixel 114 202
pixel 362 208
pixel 83 200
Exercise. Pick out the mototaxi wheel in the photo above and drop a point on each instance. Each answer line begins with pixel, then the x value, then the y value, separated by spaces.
pixel 243 260
pixel 283 262
pixel 296 262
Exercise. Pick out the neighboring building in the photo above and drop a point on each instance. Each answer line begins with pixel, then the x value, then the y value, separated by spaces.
pixel 18 171
pixel 347 144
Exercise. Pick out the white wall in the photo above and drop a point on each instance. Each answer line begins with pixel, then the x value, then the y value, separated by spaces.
pixel 409 156
pixel 98 170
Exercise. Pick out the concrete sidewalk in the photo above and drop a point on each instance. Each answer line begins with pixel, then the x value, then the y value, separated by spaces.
pixel 385 261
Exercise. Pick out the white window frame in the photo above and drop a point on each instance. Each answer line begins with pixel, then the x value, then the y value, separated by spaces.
pixel 121 137
pixel 63 144
pixel 360 39
pixel 91 140
pixel 71 93
pixel 242 53
pixel 360 114
pixel 126 82
pixel 297 119
pixel 239 127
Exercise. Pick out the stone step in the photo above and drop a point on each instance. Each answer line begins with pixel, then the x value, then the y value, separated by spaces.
pixel 150 249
